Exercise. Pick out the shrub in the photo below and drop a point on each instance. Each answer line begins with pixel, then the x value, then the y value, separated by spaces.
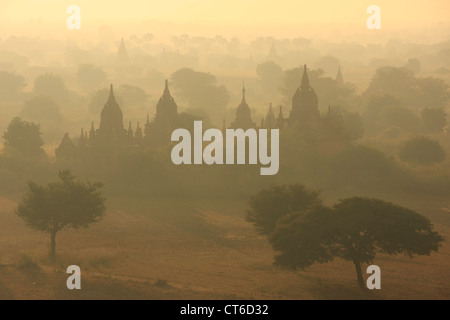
pixel 422 151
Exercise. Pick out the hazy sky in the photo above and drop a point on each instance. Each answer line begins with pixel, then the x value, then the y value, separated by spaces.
pixel 232 14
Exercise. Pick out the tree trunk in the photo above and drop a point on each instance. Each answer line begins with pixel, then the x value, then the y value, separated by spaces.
pixel 359 274
pixel 53 246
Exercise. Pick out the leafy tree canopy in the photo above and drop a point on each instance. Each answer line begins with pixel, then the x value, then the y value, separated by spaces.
pixel 23 136
pixel 433 120
pixel 51 85
pixel 268 206
pixel 270 76
pixel 67 203
pixel 10 84
pixel 41 109
pixel 91 76
pixel 200 89
pixel 422 151
pixel 411 91
pixel 355 229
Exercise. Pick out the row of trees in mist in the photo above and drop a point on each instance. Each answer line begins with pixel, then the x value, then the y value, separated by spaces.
pixel 148 48
pixel 396 102
pixel 141 171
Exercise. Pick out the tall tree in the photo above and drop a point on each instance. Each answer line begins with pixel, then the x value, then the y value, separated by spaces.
pixel 51 85
pixel 24 137
pixel 355 229
pixel 67 203
pixel 91 77
pixel 268 206
pixel 10 84
pixel 270 76
pixel 363 227
pixel 42 109
pixel 421 150
pixel 433 120
pixel 411 91
pixel 384 112
pixel 201 91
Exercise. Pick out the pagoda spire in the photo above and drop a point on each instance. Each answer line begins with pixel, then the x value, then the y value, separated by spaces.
pixel 122 53
pixel 92 131
pixel 243 92
pixel 339 77
pixel 166 89
pixel 130 132
pixel 138 135
pixel 166 107
pixel 111 98
pixel 280 120
pixel 270 121
pixel 82 141
pixel 305 79
pixel 243 114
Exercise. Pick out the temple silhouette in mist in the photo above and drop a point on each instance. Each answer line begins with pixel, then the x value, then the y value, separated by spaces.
pixel 112 136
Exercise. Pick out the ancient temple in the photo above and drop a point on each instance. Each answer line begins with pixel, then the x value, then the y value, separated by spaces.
pixel 243 115
pixel 111 136
pixel 122 53
pixel 339 77
pixel 305 105
pixel 166 109
pixel 270 122
pixel 158 131
pixel 103 144
pixel 111 131
pixel 66 148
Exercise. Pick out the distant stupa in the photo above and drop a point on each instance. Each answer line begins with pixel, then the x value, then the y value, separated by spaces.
pixel 243 115
pixel 270 122
pixel 305 105
pixel 122 54
pixel 339 77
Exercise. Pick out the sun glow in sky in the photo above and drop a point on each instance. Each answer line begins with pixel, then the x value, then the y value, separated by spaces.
pixel 209 15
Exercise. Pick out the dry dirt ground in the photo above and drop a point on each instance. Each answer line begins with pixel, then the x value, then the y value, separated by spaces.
pixel 186 249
